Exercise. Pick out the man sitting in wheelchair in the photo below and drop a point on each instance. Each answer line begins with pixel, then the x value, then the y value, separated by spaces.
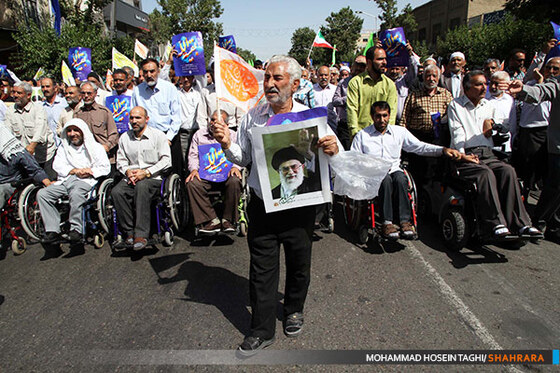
pixel 471 122
pixel 210 170
pixel 79 161
pixel 387 142
pixel 14 161
pixel 143 156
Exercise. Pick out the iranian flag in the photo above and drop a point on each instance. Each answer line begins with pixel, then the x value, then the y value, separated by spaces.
pixel 320 41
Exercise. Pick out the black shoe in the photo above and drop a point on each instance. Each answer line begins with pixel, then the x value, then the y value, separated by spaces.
pixel 252 345
pixel 293 325
pixel 51 237
pixel 74 236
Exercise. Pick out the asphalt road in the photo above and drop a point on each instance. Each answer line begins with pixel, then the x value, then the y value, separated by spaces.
pixel 157 310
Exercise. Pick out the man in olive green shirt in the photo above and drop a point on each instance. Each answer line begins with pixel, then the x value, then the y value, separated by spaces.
pixel 368 87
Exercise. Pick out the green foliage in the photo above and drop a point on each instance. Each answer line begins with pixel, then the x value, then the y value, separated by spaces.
pixel 177 16
pixel 536 10
pixel 43 48
pixel 495 40
pixel 407 21
pixel 343 29
pixel 420 48
pixel 302 38
pixel 389 13
pixel 246 54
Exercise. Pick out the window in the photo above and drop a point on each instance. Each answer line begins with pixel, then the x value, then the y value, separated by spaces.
pixel 454 23
pixel 436 31
pixel 422 34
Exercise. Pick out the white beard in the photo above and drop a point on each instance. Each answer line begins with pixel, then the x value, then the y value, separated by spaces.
pixel 289 186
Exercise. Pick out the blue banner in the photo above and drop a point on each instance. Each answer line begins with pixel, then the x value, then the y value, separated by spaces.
pixel 3 71
pixel 57 15
pixel 120 107
pixel 287 118
pixel 79 61
pixel 227 42
pixel 189 58
pixel 213 164
pixel 394 43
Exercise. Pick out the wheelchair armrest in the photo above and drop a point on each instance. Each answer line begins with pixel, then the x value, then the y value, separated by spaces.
pixel 452 177
pixel 18 184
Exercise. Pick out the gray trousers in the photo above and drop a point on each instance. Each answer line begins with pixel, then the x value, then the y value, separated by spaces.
pixel 76 190
pixel 6 191
pixel 133 204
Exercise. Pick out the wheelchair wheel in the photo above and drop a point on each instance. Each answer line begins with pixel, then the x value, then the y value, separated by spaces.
pixel 98 241
pixel 104 205
pixel 242 228
pixel 176 202
pixel 29 214
pixel 168 238
pixel 455 230
pixel 19 246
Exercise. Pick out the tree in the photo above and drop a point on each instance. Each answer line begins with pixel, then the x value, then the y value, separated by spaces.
pixel 388 16
pixel 343 29
pixel 302 38
pixel 495 40
pixel 40 46
pixel 246 54
pixel 179 16
pixel 535 10
pixel 407 21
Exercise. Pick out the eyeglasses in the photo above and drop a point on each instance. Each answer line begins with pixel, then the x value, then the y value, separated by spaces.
pixel 294 168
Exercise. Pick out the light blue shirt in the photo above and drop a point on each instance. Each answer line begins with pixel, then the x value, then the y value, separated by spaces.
pixel 162 104
pixel 53 114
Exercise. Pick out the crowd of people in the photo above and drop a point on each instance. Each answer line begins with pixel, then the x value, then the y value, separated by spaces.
pixel 496 124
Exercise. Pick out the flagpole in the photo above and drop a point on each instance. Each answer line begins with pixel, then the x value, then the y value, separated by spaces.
pixel 216 68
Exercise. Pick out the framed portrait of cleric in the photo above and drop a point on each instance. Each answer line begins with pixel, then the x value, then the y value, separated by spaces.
pixel 293 172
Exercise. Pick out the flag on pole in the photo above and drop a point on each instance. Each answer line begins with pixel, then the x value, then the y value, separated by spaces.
pixel 333 55
pixel 140 49
pixel 57 15
pixel 320 41
pixel 40 73
pixel 237 81
pixel 370 43
pixel 167 52
pixel 120 61
pixel 67 77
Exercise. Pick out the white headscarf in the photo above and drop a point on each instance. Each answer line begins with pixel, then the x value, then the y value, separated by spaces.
pixel 89 143
pixel 9 144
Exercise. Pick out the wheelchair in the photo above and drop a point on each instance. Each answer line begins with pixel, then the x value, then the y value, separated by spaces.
pixel 10 222
pixel 170 208
pixel 94 213
pixel 217 200
pixel 453 201
pixel 360 216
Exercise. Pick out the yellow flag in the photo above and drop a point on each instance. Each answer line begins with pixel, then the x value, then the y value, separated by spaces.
pixel 167 52
pixel 237 81
pixel 120 61
pixel 40 73
pixel 67 75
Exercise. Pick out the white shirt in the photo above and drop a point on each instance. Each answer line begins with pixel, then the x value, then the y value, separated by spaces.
pixel 80 159
pixel 101 96
pixel 190 105
pixel 505 112
pixel 323 96
pixel 533 115
pixel 388 145
pixel 456 81
pixel 466 121
pixel 3 109
pixel 150 152
pixel 242 152
pixel 128 92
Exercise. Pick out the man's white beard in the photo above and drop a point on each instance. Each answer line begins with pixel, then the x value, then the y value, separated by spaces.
pixel 291 185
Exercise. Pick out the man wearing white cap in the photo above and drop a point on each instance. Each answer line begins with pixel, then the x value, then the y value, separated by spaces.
pixel 452 79
pixel 79 161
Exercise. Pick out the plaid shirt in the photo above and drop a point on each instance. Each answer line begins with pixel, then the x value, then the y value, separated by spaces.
pixel 419 106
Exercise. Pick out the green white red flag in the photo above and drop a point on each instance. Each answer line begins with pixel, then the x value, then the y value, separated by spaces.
pixel 320 41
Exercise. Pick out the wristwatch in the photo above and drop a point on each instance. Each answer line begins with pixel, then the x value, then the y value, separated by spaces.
pixel 148 174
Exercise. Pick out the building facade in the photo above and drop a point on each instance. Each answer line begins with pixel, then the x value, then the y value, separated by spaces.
pixel 437 16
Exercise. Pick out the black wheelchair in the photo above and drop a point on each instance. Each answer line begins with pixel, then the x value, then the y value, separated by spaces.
pixel 94 213
pixel 170 208
pixel 360 216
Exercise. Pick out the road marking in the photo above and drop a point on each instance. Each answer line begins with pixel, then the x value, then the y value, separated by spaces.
pixel 451 296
